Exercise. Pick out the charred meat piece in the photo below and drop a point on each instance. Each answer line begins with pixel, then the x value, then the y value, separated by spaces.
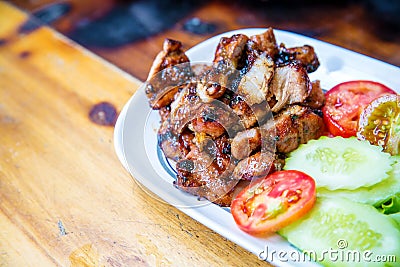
pixel 208 122
pixel 291 127
pixel 164 113
pixel 266 42
pixel 207 173
pixel 171 55
pixel 185 107
pixel 254 166
pixel 290 85
pixel 208 92
pixel 215 118
pixel 316 99
pixel 230 51
pixel 296 125
pixel 250 115
pixel 245 142
pixel 304 55
pixel 253 86
pixel 175 72
pixel 174 145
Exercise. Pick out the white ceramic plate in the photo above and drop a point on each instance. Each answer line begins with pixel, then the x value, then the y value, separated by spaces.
pixel 135 138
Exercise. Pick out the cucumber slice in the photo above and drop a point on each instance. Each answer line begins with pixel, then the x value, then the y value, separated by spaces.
pixel 374 194
pixel 341 163
pixel 340 232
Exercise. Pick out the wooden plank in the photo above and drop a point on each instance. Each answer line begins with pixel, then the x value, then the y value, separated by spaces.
pixel 64 197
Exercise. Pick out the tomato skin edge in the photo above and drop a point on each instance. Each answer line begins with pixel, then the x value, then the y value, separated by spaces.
pixel 281 220
pixel 354 87
pixel 334 128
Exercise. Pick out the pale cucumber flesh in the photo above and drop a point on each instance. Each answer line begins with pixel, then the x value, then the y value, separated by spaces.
pixel 374 194
pixel 340 163
pixel 350 229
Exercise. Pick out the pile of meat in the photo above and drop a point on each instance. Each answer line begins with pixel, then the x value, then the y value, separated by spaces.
pixel 236 119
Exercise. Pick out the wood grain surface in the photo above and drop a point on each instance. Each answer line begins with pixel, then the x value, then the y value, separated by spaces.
pixel 65 199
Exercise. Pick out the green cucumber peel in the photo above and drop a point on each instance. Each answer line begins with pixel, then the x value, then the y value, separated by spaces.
pixel 341 163
pixel 355 233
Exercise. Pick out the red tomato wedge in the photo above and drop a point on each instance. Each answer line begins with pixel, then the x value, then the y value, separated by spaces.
pixel 274 202
pixel 345 102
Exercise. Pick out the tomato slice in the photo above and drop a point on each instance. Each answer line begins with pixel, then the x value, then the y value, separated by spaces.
pixel 274 202
pixel 380 123
pixel 345 102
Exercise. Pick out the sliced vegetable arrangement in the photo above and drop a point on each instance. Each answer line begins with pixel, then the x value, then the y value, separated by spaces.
pixel 349 228
pixel 274 202
pixel 346 101
pixel 357 181
pixel 340 163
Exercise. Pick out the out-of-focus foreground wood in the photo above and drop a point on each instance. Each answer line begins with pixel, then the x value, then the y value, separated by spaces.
pixel 65 199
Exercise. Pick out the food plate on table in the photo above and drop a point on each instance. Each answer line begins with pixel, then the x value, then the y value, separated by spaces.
pixel 135 139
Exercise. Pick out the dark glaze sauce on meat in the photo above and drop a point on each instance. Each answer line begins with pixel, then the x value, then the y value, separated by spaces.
pixel 236 119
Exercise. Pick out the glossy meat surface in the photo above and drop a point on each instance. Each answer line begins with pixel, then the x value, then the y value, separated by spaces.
pixel 234 120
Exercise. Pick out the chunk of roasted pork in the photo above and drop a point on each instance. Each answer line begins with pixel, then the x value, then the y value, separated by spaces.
pixel 230 51
pixel 290 85
pixel 254 166
pixel 266 42
pixel 316 98
pixel 291 127
pixel 206 172
pixel 296 125
pixel 304 55
pixel 171 55
pixel 170 70
pixel 254 85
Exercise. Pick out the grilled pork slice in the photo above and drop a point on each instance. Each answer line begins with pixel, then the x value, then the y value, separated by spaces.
pixel 316 99
pixel 171 55
pixel 254 166
pixel 185 107
pixel 253 86
pixel 296 125
pixel 266 42
pixel 250 115
pixel 207 173
pixel 304 55
pixel 173 62
pixel 291 127
pixel 245 142
pixel 174 145
pixel 230 51
pixel 290 85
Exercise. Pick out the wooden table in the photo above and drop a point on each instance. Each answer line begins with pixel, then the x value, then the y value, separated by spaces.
pixel 65 199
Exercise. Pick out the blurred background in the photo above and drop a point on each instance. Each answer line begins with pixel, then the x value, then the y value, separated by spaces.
pixel 130 33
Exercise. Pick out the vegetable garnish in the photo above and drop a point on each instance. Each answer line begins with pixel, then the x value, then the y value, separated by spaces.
pixel 274 202
pixel 347 228
pixel 341 163
pixel 380 123
pixel 346 101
